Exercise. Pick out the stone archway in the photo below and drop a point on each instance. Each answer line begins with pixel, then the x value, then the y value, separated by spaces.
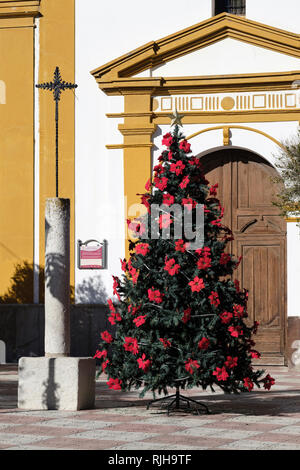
pixel 246 192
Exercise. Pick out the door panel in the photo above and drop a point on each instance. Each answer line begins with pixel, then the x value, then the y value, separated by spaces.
pixel 246 191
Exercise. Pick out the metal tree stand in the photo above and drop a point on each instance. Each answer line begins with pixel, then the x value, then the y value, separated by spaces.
pixel 180 403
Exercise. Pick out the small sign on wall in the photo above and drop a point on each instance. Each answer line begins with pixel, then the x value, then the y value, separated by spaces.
pixel 92 254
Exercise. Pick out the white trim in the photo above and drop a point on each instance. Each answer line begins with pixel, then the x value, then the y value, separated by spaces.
pixel 36 250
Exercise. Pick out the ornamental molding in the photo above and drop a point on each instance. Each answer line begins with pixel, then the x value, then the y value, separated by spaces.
pixel 19 8
pixel 196 37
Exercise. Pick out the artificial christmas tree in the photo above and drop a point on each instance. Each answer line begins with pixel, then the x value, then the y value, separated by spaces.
pixel 180 319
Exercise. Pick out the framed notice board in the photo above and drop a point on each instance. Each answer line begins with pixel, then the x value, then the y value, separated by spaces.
pixel 92 254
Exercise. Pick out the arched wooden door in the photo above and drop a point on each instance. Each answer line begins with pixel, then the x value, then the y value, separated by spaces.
pixel 246 192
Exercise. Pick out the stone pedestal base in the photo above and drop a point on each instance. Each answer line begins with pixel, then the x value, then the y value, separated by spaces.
pixel 56 383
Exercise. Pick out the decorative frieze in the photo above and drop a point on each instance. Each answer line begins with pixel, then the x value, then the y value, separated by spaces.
pixel 221 102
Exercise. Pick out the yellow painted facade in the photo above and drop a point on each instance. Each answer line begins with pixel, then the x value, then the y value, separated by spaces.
pixel 16 136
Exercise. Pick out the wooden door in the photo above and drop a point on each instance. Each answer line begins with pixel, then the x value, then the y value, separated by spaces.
pixel 246 192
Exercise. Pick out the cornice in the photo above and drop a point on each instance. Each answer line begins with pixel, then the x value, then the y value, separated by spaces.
pixel 19 8
pixel 201 84
pixel 195 37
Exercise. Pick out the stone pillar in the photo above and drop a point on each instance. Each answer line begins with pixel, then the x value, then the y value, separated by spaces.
pixel 57 381
pixel 57 277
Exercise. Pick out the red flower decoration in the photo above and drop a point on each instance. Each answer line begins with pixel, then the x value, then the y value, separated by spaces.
pixel 104 365
pixel 140 320
pixel 235 331
pixel 100 354
pixel 225 258
pixel 185 146
pixel 268 382
pixel 148 185
pixel 213 190
pixel 248 383
pixel 116 285
pixel 155 296
pixel 231 362
pixel 214 299
pixel 165 220
pixel 171 267
pixel 165 342
pixel 237 285
pixel 177 167
pixel 167 140
pixel 197 284
pixel 255 354
pixel 168 199
pixel 221 374
pixel 115 316
pixel 238 310
pixel 107 337
pixel 142 249
pixel 186 315
pixel 189 203
pixel 131 345
pixel 161 183
pixel 123 265
pixel 203 343
pixel 145 202
pixel 180 246
pixel 204 261
pixel 191 366
pixel 144 363
pixel 133 310
pixel 114 384
pixel 184 182
pixel 226 317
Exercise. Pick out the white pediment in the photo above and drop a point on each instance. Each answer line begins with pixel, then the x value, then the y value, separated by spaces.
pixel 225 57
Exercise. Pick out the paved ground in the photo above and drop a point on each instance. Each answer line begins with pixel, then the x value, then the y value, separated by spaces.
pixel 258 420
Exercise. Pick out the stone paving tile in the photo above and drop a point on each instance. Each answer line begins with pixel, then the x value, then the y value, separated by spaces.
pixel 76 423
pixel 95 415
pixel 216 433
pixel 288 430
pixel 153 446
pixel 278 437
pixel 13 439
pixel 68 443
pixel 182 421
pixel 116 436
pixel 38 430
pixel 278 420
pixel 255 445
pixel 147 428
pixel 194 442
pixel 237 426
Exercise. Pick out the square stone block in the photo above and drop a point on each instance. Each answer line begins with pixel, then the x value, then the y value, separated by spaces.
pixel 56 383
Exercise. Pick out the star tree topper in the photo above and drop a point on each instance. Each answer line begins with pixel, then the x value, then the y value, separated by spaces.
pixel 176 118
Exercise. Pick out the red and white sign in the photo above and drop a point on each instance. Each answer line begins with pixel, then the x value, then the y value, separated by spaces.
pixel 91 257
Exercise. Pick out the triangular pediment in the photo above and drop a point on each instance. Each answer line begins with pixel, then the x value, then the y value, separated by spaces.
pixel 227 56
pixel 157 53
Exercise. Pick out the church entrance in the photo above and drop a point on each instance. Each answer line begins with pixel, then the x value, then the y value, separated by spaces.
pixel 246 192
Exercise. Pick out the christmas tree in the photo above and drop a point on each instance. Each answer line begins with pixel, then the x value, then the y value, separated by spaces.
pixel 180 319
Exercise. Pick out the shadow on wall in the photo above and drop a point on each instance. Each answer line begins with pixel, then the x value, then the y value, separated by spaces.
pixel 91 291
pixel 20 290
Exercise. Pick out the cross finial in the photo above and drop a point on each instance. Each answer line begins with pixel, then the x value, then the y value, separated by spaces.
pixel 57 86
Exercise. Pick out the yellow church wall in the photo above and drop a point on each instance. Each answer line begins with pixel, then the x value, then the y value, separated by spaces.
pixel 57 46
pixel 16 139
